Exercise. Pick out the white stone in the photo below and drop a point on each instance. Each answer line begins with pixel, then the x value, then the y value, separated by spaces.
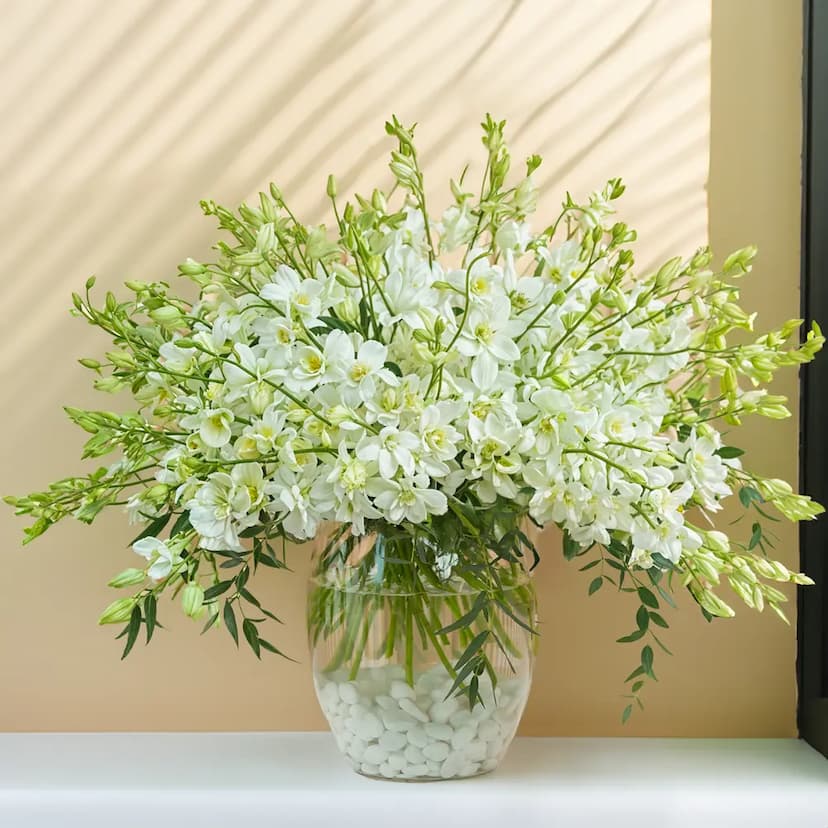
pixel 392 740
pixel 397 720
pixel 440 732
pixel 328 695
pixel 462 737
pixel 368 726
pixel 371 770
pixel 349 692
pixel 386 702
pixel 401 690
pixel 489 765
pixel 409 707
pixel 413 771
pixel 397 761
pixel 436 751
pixel 475 751
pixel 375 754
pixel 356 748
pixel 387 771
pixel 453 764
pixel 460 718
pixel 433 768
pixel 417 736
pixel 488 731
pixel 470 769
pixel 414 755
pixel 441 712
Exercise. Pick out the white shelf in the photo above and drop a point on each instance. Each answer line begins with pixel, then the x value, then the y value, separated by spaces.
pixel 294 780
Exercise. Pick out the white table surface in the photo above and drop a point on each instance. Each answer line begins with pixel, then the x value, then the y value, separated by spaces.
pixel 293 780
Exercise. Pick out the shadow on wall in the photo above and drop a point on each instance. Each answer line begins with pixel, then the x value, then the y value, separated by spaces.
pixel 120 117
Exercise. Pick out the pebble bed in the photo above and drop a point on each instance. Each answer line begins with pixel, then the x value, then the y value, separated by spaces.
pixel 389 729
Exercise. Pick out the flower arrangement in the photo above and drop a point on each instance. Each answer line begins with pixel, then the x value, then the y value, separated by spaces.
pixel 436 381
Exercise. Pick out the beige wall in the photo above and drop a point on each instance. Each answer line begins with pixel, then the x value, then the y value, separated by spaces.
pixel 117 118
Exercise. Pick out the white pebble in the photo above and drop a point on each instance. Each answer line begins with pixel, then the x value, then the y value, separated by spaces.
pixel 414 755
pixel 329 695
pixel 441 712
pixel 436 751
pixel 349 693
pixel 375 754
pixel 367 726
pixel 413 771
pixel 401 690
pixel 433 768
pixel 397 761
pixel 418 737
pixel 489 765
pixel 453 765
pixel 409 707
pixel 397 720
pixel 440 732
pixel 488 730
pixel 386 702
pixel 475 751
pixel 392 740
pixel 462 737
pixel 461 718
pixel 371 770
pixel 470 769
pixel 356 748
pixel 387 771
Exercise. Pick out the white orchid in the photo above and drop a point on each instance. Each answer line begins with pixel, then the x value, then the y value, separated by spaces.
pixel 162 559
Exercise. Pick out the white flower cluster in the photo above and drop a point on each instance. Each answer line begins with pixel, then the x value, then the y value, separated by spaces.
pixel 496 378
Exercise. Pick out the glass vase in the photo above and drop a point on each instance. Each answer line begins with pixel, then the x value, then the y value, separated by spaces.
pixel 422 664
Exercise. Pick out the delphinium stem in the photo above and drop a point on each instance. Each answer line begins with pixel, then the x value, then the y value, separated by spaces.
pixel 409 641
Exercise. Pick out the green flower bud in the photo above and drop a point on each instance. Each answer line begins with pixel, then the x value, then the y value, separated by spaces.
pixel 331 187
pixel 118 611
pixel 191 268
pixel 129 577
pixel 192 600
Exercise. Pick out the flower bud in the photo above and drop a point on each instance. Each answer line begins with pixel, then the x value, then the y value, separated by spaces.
pixel 129 577
pixel 192 600
pixel 330 188
pixel 191 268
pixel 118 611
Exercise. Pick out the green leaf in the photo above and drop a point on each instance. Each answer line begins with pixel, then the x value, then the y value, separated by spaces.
pixel 181 525
pixel 468 618
pixel 230 622
pixel 647 659
pixel 154 528
pixel 571 548
pixel 475 645
pixel 150 610
pixel 668 599
pixel 266 645
pixel 595 585
pixel 639 671
pixel 729 452
pixel 756 536
pixel 337 324
pixel 132 631
pixel 642 618
pixel 585 567
pixel 637 686
pixel 394 368
pixel 647 598
pixel 252 636
pixel 217 589
pixel 628 639
pixel 747 494
pixel 626 714
pixel 658 620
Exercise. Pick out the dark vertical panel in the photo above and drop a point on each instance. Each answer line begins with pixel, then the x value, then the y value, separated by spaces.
pixel 813 601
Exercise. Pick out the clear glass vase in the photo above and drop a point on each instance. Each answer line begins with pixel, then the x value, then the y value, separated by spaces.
pixel 421 664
